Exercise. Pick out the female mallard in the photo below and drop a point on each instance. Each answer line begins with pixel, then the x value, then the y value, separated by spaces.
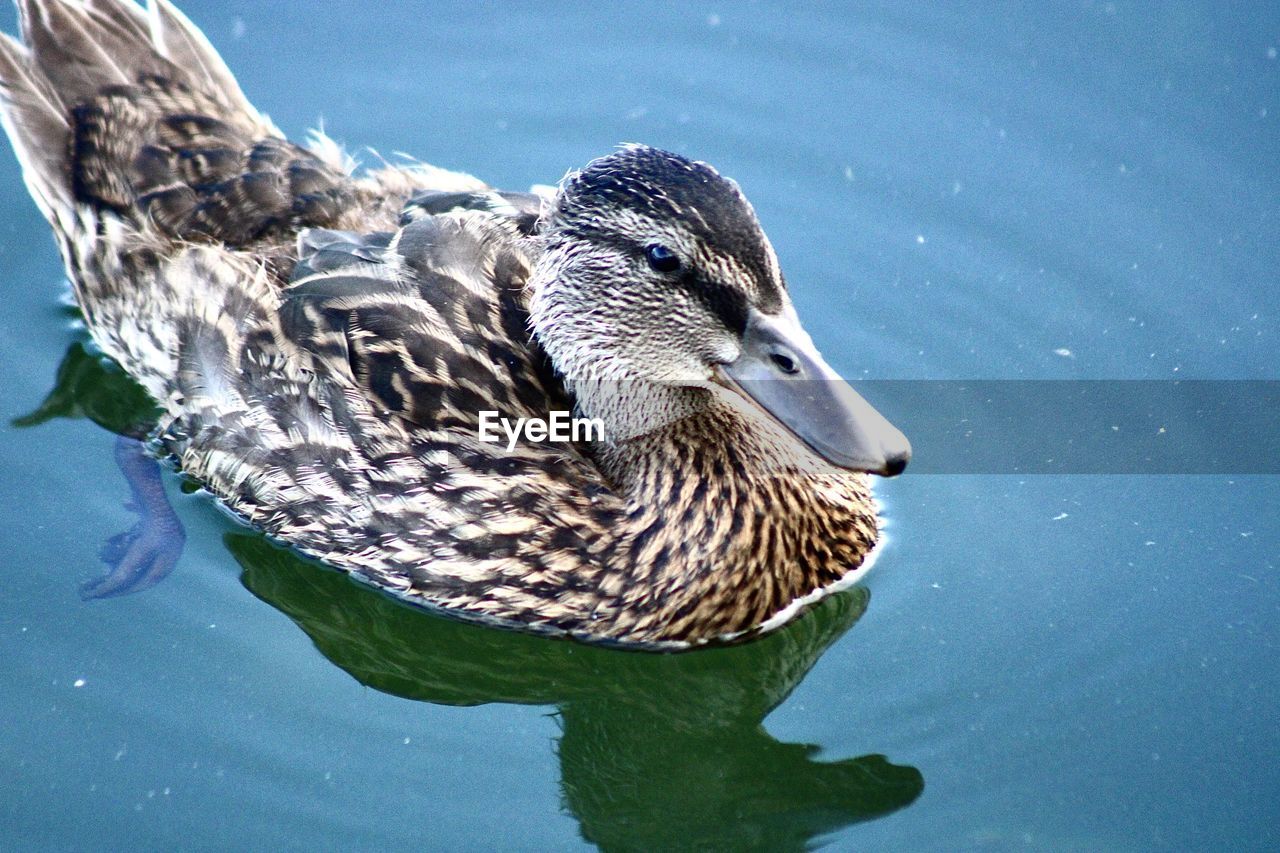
pixel 323 346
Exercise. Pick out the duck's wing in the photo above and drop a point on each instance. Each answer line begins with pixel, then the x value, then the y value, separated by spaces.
pixel 430 320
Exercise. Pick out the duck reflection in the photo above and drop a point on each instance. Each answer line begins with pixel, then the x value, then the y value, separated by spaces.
pixel 656 751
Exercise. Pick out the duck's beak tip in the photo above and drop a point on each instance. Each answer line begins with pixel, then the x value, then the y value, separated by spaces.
pixel 781 373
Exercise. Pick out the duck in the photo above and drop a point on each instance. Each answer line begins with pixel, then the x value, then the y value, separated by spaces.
pixel 330 347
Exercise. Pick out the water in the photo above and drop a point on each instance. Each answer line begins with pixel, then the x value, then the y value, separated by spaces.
pixel 1005 191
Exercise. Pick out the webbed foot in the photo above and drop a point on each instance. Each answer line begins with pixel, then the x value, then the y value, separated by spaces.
pixel 143 555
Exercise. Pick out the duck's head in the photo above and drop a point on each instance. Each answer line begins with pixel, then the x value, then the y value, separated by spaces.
pixel 658 283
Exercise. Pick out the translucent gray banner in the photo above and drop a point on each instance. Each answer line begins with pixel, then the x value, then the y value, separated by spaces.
pixel 1085 426
pixel 956 426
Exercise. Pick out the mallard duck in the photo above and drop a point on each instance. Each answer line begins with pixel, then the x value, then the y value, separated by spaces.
pixel 324 346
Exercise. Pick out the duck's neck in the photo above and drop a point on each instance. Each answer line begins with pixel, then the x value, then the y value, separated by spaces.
pixel 631 408
pixel 729 519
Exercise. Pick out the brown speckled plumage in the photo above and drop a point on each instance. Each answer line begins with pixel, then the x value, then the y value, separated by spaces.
pixel 322 345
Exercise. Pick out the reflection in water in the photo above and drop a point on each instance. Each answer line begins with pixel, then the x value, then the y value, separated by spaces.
pixel 94 387
pixel 657 751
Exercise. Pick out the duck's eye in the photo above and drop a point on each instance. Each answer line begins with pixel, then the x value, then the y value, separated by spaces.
pixel 661 258
pixel 784 362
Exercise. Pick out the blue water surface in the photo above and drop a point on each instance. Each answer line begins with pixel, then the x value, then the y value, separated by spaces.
pixel 956 191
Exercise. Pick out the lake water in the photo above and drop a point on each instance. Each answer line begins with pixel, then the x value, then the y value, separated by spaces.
pixel 1005 191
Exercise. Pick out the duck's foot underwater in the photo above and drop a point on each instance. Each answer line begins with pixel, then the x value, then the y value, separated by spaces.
pixel 145 554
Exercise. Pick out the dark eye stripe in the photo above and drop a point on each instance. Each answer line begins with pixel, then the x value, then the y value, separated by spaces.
pixel 729 304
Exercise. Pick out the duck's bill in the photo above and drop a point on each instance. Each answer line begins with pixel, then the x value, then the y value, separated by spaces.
pixel 782 374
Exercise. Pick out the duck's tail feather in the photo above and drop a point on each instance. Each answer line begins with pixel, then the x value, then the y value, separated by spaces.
pixel 132 112
pixel 83 45
pixel 78 59
pixel 37 125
